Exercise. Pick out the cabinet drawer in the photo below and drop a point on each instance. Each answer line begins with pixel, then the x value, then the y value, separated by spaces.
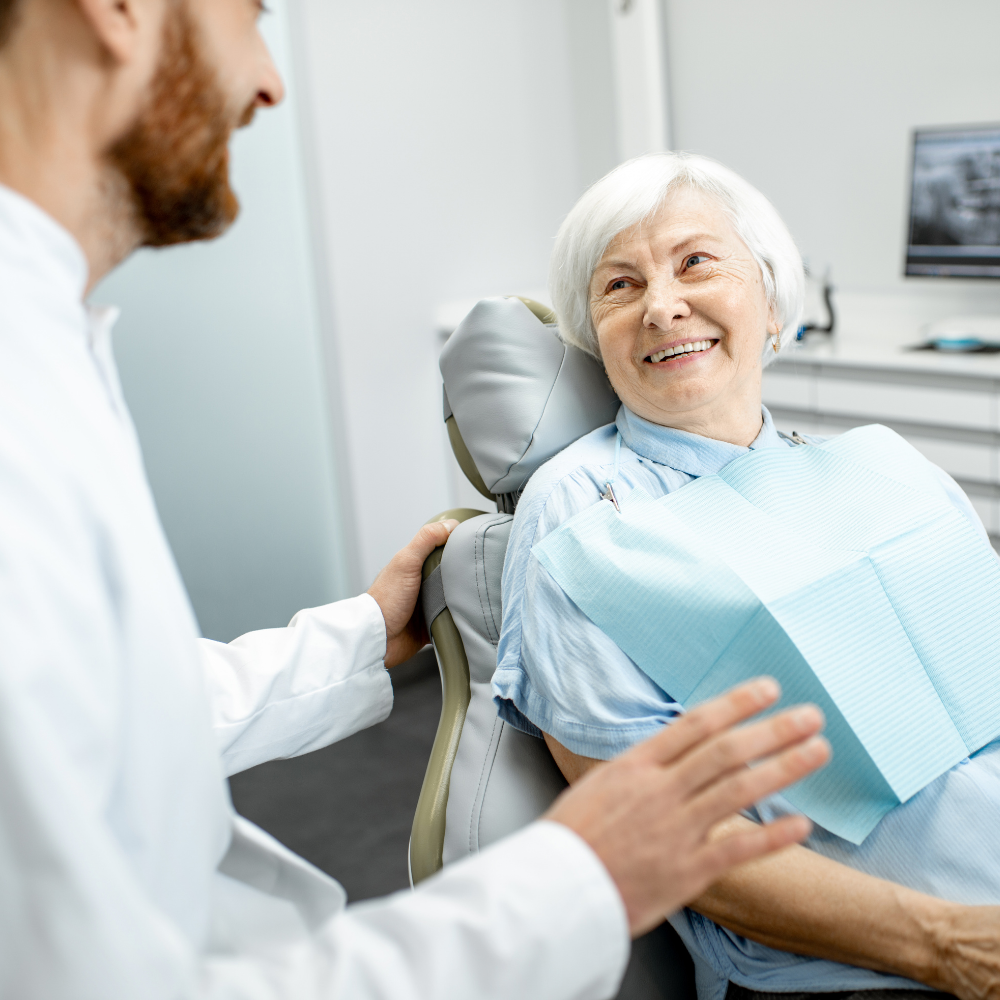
pixel 959 458
pixel 989 514
pixel 917 404
pixel 784 389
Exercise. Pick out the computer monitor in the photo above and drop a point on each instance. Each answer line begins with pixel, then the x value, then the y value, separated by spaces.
pixel 955 203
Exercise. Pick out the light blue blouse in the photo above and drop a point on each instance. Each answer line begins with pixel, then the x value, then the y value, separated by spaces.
pixel 558 673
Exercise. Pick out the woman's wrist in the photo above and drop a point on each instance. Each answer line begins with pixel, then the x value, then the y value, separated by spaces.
pixel 845 916
pixel 930 939
pixel 963 949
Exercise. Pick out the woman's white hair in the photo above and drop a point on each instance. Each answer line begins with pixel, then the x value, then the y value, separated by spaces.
pixel 631 194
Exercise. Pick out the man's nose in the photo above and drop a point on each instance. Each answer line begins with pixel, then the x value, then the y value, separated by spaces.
pixel 271 89
pixel 665 303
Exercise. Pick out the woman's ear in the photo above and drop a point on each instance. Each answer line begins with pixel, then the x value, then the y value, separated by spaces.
pixel 119 26
pixel 773 329
pixel 772 332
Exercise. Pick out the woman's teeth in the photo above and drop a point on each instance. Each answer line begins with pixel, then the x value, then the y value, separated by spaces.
pixel 698 345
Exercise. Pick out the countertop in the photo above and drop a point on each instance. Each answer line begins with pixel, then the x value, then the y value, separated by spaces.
pixel 889 360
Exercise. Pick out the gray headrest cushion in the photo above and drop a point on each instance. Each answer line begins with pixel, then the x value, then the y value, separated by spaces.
pixel 518 393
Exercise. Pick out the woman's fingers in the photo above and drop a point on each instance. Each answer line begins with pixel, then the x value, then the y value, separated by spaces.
pixel 708 719
pixel 735 748
pixel 743 788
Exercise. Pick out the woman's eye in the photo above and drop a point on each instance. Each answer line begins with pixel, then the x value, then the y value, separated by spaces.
pixel 617 286
pixel 695 258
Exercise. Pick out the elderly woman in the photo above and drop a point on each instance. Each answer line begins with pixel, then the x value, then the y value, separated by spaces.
pixel 682 279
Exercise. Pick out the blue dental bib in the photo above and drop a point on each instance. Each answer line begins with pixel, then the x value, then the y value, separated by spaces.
pixel 840 569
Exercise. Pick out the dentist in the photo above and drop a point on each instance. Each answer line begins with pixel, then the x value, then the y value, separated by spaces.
pixel 124 872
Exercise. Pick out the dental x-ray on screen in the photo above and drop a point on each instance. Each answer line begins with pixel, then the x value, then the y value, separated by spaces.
pixel 955 203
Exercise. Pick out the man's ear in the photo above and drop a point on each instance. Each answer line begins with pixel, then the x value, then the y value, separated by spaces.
pixel 118 25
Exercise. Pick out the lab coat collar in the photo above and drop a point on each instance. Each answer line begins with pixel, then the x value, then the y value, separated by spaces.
pixel 100 322
pixel 31 240
pixel 40 252
pixel 686 452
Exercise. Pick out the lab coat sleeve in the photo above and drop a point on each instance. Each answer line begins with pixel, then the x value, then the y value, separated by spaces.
pixel 282 692
pixel 534 916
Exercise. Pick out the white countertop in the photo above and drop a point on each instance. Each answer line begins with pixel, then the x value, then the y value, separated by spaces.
pixel 853 354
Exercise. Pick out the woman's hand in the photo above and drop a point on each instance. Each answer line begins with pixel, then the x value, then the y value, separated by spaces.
pixel 968 947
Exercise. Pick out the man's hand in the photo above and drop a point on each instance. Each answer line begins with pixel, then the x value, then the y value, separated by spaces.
pixel 648 813
pixel 396 588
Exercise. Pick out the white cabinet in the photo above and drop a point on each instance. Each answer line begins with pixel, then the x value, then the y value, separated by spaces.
pixel 918 404
pixel 788 389
pixel 952 416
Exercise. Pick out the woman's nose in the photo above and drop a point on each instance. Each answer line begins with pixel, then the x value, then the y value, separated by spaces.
pixel 665 304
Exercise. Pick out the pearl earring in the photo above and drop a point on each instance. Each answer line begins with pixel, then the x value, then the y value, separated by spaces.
pixel 776 340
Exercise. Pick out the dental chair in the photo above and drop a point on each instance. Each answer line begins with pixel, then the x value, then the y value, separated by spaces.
pixel 514 396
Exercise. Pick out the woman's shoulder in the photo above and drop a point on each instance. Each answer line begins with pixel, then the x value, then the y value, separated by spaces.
pixel 567 483
pixel 560 488
pixel 575 479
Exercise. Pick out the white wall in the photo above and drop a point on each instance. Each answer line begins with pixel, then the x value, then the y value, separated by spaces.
pixel 813 102
pixel 592 74
pixel 441 144
pixel 425 153
pixel 448 148
pixel 220 356
pixel 450 138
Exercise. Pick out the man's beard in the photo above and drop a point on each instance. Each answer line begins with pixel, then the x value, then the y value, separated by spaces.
pixel 175 158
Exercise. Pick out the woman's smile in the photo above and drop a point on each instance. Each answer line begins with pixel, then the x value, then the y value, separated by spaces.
pixel 679 352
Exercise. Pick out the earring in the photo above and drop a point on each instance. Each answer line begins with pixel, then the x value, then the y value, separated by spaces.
pixel 776 340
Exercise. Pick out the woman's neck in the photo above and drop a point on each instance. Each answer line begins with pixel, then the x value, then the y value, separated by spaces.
pixel 735 421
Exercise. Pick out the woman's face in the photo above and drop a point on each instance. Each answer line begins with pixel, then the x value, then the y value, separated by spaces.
pixel 684 278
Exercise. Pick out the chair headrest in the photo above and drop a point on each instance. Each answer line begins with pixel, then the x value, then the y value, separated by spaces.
pixel 515 394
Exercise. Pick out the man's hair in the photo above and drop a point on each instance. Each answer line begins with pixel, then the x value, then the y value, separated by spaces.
pixel 8 16
pixel 631 194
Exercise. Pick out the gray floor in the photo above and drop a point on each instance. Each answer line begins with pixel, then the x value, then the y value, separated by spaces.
pixel 348 808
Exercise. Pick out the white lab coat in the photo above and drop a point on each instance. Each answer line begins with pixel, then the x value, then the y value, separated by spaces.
pixel 124 872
